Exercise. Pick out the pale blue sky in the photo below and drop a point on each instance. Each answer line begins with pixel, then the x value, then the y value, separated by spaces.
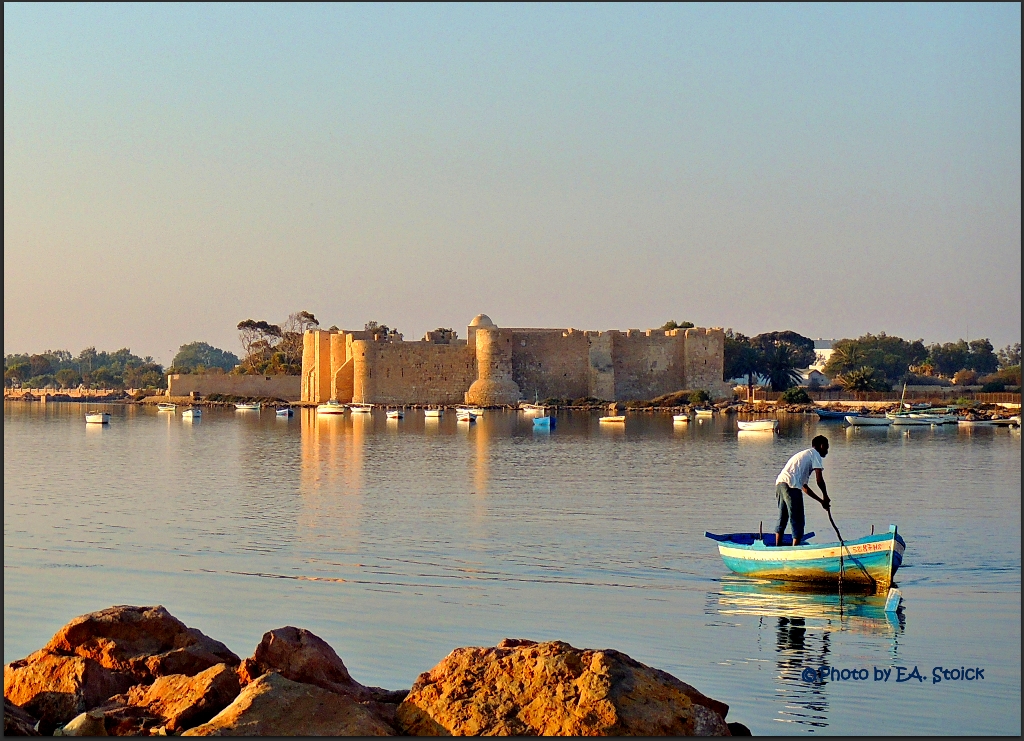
pixel 171 170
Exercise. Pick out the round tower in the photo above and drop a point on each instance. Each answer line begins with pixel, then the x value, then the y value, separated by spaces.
pixel 493 385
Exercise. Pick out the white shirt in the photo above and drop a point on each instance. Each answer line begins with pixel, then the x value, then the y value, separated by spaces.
pixel 798 468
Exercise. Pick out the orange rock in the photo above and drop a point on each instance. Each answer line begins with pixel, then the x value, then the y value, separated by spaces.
pixel 523 688
pixel 301 656
pixel 183 701
pixel 275 706
pixel 56 688
pixel 146 641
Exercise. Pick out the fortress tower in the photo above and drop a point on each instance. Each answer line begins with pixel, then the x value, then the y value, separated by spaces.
pixel 494 385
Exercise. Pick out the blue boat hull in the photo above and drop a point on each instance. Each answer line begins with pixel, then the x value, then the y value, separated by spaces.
pixel 831 414
pixel 868 563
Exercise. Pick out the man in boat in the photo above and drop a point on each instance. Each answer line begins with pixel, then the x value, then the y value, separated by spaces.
pixel 791 485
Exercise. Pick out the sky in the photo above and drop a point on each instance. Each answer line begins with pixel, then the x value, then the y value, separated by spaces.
pixel 171 170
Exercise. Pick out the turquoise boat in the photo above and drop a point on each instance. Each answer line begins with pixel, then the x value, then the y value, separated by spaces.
pixel 868 563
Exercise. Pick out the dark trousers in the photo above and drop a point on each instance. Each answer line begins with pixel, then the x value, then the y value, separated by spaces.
pixel 791 510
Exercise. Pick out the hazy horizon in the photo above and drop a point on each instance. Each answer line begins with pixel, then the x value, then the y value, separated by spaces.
pixel 835 170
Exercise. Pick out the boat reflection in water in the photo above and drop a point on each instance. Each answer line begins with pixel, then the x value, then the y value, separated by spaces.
pixel 806 624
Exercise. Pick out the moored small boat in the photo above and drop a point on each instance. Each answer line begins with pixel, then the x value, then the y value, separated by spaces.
pixel 191 414
pixel 475 411
pixel 97 418
pixel 464 415
pixel 547 422
pixel 394 414
pixel 679 418
pixel 868 563
pixel 165 407
pixel 835 413
pixel 864 420
pixel 248 406
pixel 331 406
pixel 433 413
pixel 906 420
pixel 704 412
pixel 284 412
pixel 759 425
pixel 361 408
pixel 613 418
pixel 531 408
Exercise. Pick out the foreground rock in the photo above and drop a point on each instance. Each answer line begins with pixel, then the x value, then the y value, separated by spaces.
pixel 17 722
pixel 523 688
pixel 147 642
pixel 275 706
pixel 56 688
pixel 181 701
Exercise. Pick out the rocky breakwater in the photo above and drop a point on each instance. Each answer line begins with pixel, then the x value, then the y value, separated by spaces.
pixel 131 671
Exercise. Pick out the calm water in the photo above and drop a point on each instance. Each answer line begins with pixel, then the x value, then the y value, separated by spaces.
pixel 398 541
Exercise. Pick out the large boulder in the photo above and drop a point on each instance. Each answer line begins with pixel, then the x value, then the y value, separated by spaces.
pixel 182 701
pixel 56 688
pixel 17 722
pixel 302 656
pixel 275 706
pixel 523 688
pixel 148 642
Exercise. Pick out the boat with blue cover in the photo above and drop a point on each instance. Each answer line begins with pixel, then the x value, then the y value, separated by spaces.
pixel 835 413
pixel 868 563
pixel 546 422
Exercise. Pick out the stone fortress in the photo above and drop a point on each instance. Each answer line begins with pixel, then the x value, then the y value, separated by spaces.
pixel 498 366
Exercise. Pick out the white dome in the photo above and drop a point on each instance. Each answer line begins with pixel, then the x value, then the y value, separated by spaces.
pixel 481 320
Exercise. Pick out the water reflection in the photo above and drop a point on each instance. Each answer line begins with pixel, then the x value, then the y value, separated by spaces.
pixel 803 623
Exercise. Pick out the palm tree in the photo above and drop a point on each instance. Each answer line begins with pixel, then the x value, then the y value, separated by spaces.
pixel 862 379
pixel 779 366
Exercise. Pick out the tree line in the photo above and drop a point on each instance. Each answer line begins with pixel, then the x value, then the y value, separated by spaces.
pixel 872 362
pixel 91 368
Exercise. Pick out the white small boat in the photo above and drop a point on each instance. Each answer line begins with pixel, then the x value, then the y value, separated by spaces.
pixel 395 414
pixel 867 421
pixel 906 420
pixel 433 413
pixel 192 414
pixel 361 408
pixel 332 406
pixel 680 417
pixel 704 412
pixel 938 419
pixel 97 418
pixel 759 425
pixel 531 408
pixel 285 412
pixel 475 411
pixel 465 416
pixel 246 406
pixel 165 407
pixel 613 418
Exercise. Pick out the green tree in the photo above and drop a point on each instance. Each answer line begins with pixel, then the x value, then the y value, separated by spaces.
pixel 741 358
pixel 194 355
pixel 68 378
pixel 982 358
pixel 949 357
pixel 890 356
pixel 258 339
pixel 780 363
pixel 1009 356
pixel 863 379
pixel 673 324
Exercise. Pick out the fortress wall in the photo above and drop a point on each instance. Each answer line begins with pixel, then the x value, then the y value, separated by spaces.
pixel 647 364
pixel 704 360
pixel 548 364
pixel 288 388
pixel 601 365
pixel 411 372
